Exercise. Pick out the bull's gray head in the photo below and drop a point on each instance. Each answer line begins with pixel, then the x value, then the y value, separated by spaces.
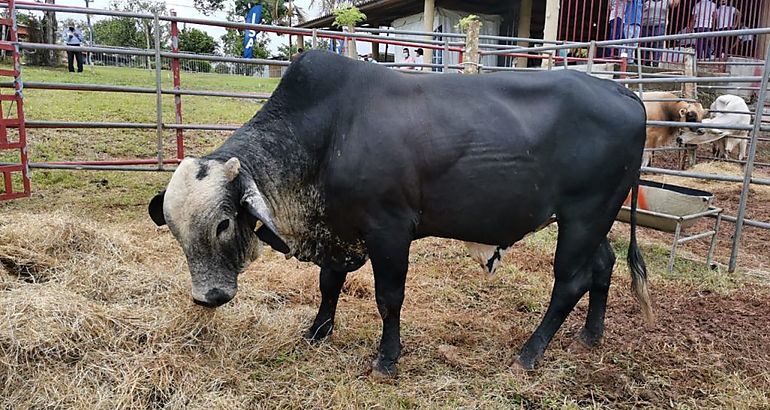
pixel 212 209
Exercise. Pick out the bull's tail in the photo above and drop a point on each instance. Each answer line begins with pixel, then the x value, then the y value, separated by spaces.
pixel 636 263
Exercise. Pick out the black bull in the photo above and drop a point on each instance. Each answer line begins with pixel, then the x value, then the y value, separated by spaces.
pixel 394 157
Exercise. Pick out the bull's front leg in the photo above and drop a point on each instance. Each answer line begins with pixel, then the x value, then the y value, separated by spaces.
pixel 330 283
pixel 389 253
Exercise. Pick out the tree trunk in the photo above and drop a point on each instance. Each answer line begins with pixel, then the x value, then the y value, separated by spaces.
pixel 50 34
pixel 471 55
pixel 147 39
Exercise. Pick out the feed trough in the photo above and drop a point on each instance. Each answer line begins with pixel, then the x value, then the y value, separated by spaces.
pixel 670 208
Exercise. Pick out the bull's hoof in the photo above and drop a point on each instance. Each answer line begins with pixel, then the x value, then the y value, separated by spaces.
pixel 383 372
pixel 587 340
pixel 317 333
pixel 523 364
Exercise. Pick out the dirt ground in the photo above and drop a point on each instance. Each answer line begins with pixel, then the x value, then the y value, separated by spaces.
pixel 98 315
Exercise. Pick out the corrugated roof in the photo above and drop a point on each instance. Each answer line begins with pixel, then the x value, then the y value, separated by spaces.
pixel 383 12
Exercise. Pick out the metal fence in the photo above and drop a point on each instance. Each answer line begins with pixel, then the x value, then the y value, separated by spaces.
pixel 586 20
pixel 548 53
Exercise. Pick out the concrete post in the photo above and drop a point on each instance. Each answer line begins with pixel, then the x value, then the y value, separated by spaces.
pixel 551 28
pixel 525 19
pixel 429 11
pixel 376 51
pixel 690 90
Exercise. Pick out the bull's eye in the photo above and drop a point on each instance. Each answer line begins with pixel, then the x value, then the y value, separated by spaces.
pixel 223 226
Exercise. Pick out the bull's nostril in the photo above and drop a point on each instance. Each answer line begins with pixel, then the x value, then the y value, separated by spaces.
pixel 217 297
pixel 214 298
pixel 204 303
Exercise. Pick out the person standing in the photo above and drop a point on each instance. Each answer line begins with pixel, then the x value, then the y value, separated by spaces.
pixel 702 20
pixel 727 18
pixel 419 59
pixel 74 38
pixel 408 59
pixel 632 20
pixel 615 26
pixel 654 21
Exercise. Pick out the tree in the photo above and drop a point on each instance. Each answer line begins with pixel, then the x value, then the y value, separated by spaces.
pixel 273 11
pixel 196 41
pixel 285 51
pixel 232 44
pixel 145 25
pixel 36 35
pixel 49 28
pixel 328 6
pixel 348 16
pixel 117 32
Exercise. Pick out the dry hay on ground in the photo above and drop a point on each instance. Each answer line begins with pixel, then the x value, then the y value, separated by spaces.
pixel 99 316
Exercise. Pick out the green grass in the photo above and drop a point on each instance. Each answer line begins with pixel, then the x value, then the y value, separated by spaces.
pixel 118 197
pixel 146 78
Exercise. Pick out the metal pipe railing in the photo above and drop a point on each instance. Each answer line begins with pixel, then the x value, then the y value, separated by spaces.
pixel 749 168
pixel 627 42
pixel 158 92
pixel 700 175
pixel 136 90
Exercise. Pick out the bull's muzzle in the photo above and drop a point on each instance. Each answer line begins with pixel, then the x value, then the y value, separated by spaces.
pixel 215 297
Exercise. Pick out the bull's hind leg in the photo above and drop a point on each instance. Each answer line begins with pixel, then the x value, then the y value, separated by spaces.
pixel 331 282
pixel 601 273
pixel 581 230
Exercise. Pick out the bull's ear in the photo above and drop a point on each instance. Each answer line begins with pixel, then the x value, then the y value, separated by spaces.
pixel 255 202
pixel 155 209
pixel 232 168
pixel 683 113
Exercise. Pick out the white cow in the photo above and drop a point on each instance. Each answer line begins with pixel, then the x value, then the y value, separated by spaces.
pixel 727 141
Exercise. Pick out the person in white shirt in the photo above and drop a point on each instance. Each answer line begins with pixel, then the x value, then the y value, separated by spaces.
pixel 701 20
pixel 419 59
pixel 726 18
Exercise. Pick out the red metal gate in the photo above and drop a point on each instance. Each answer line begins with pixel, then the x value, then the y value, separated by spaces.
pixel 15 176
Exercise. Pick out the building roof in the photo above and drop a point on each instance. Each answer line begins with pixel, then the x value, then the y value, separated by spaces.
pixel 383 12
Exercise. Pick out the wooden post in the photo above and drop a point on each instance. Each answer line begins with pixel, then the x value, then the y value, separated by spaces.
pixel 525 18
pixel 551 28
pixel 471 56
pixel 429 11
pixel 301 41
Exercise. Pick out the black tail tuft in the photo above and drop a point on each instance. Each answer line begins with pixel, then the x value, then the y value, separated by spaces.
pixel 636 263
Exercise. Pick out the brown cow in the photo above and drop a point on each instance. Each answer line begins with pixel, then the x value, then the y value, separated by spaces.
pixel 673 110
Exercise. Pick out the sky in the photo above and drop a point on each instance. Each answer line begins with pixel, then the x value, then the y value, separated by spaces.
pixel 185 8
